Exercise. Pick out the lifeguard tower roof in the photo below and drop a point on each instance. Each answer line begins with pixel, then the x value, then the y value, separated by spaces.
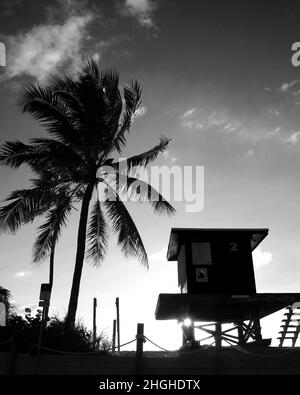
pixel 177 234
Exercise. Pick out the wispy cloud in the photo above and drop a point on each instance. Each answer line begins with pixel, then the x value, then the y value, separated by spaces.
pixel 141 10
pixel 261 258
pixel 187 113
pixel 293 139
pixel 249 153
pixel 26 273
pixel 267 126
pixel 167 155
pixel 286 86
pixel 140 112
pixel 202 119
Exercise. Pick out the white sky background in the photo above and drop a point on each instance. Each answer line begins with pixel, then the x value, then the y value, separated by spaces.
pixel 230 106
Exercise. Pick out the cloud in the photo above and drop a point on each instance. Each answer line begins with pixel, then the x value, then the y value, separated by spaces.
pixel 46 48
pixel 167 155
pixel 261 258
pixel 249 153
pixel 266 127
pixel 293 139
pixel 23 274
pixel 202 119
pixel 191 120
pixel 285 87
pixel 140 112
pixel 142 10
pixel 187 113
pixel 159 256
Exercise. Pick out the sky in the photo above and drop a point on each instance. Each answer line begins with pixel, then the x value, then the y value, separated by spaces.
pixel 218 80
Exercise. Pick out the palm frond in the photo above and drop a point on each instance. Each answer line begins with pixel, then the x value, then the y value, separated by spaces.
pixel 49 180
pixel 110 82
pixel 123 225
pixel 16 153
pixel 97 235
pixel 49 232
pixel 145 158
pixel 132 98
pixel 89 68
pixel 55 154
pixel 45 107
pixel 66 90
pixel 144 192
pixel 25 206
pixel 99 98
pixel 45 154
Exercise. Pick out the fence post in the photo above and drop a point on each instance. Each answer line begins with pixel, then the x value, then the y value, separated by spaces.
pixel 118 322
pixel 42 327
pixel 114 337
pixel 139 348
pixel 94 323
pixel 218 348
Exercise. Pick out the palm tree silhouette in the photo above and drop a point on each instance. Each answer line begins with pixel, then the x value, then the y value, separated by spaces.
pixel 88 120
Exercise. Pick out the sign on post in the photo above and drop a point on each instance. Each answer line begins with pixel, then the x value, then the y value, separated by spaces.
pixel 45 295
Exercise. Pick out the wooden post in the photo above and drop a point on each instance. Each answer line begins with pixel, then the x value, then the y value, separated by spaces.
pixel 218 344
pixel 42 326
pixel 257 329
pixel 218 335
pixel 94 323
pixel 139 348
pixel 118 322
pixel 114 337
pixel 240 334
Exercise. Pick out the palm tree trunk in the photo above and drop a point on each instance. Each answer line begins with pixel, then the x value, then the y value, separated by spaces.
pixel 51 272
pixel 51 265
pixel 81 237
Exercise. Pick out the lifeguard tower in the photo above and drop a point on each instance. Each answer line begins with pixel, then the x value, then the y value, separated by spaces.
pixel 217 285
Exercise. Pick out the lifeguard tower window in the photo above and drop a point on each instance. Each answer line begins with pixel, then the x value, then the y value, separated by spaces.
pixel 215 260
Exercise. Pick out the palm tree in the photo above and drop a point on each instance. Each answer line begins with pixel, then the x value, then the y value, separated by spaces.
pixel 88 120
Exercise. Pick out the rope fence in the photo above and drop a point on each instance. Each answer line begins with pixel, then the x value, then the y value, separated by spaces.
pixel 6 342
pixel 83 353
pixel 144 339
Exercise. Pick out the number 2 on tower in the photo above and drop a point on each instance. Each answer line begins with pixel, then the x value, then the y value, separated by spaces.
pixel 234 247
